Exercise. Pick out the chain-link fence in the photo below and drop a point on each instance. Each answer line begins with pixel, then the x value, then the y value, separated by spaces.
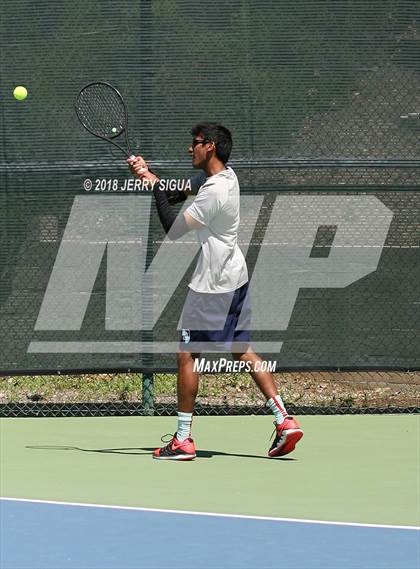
pixel 323 392
pixel 334 282
pixel 323 99
pixel 321 80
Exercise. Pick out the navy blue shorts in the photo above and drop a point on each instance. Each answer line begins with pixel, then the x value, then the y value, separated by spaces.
pixel 216 322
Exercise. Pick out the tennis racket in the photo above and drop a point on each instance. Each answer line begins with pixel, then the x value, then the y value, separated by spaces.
pixel 101 109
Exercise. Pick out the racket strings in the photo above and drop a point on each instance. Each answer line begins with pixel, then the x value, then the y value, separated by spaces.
pixel 101 110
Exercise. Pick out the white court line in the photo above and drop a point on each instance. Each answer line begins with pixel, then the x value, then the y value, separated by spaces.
pixel 211 514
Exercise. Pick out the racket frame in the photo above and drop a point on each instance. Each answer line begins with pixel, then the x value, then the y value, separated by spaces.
pixel 127 152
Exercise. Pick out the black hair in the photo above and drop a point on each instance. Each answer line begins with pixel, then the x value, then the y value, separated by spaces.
pixel 218 134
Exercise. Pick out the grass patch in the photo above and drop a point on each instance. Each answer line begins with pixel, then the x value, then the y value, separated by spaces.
pixel 319 389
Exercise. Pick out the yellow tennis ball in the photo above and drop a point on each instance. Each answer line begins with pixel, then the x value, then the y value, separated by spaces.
pixel 20 93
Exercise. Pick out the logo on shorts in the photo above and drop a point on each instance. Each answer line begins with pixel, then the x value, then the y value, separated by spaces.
pixel 185 335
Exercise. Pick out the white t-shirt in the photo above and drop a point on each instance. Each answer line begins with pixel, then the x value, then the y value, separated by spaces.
pixel 221 266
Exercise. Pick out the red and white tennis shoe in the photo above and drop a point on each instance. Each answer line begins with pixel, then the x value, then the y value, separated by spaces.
pixel 176 450
pixel 286 436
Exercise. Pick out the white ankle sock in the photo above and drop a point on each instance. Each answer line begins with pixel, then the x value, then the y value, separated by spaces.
pixel 277 406
pixel 184 426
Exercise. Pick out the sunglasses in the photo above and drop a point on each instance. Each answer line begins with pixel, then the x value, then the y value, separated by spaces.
pixel 198 141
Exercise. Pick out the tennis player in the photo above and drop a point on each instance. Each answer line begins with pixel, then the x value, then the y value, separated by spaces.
pixel 217 309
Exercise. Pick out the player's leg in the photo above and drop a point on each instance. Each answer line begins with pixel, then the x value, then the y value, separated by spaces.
pixel 287 431
pixel 240 324
pixel 263 379
pixel 265 383
pixel 187 385
pixel 202 317
pixel 181 446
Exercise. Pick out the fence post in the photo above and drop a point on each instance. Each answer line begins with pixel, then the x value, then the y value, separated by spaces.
pixel 148 394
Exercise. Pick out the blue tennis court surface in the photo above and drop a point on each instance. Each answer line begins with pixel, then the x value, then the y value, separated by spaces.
pixel 41 535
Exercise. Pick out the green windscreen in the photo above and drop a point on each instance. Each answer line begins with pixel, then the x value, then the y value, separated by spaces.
pixel 323 101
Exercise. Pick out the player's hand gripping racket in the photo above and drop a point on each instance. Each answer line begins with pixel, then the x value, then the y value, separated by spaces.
pixel 101 109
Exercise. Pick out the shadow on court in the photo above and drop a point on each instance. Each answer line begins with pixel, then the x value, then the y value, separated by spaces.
pixel 148 450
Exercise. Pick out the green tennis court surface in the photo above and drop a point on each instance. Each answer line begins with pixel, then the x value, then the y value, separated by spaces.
pixel 347 468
